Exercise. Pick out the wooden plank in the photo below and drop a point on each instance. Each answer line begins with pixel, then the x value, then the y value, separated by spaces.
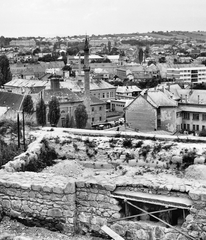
pixel 111 233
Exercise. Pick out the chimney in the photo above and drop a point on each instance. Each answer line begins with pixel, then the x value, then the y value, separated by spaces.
pixel 55 84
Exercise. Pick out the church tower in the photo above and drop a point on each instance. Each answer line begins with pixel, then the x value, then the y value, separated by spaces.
pixel 86 68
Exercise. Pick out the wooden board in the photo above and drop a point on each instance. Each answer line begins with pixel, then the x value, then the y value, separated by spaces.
pixel 111 233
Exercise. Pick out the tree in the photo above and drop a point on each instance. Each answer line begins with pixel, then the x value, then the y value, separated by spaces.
pixel 5 73
pixel 41 112
pixel 140 55
pixel 28 106
pixel 147 52
pixel 54 111
pixel 67 121
pixel 81 116
pixel 109 46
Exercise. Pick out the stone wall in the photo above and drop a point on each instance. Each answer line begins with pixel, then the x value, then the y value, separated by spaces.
pixel 95 206
pixel 40 199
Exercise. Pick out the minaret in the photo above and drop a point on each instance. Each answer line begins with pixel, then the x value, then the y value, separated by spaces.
pixel 86 68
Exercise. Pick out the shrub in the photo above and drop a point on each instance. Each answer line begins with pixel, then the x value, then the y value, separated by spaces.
pixel 127 143
pixel 46 158
pixel 138 144
pixel 8 152
pixel 188 159
pixel 89 144
pixel 202 133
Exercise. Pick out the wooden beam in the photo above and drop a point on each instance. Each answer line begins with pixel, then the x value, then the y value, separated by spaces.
pixel 176 229
pixel 111 233
pixel 141 214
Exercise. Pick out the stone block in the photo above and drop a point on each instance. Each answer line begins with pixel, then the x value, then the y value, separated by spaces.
pixel 14 213
pixel 6 203
pixel 203 197
pixel 91 197
pixel 54 212
pixel 70 188
pixel 31 194
pixel 109 187
pixel 47 189
pixel 100 198
pixel 116 215
pixel 26 209
pixel 57 190
pixel 16 204
pixel 195 195
pixel 83 217
pixel 83 195
pixel 36 187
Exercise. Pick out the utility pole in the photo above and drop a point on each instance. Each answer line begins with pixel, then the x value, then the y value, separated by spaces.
pixel 23 130
pixel 18 127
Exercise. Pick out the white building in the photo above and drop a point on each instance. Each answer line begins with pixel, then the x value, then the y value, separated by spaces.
pixel 187 72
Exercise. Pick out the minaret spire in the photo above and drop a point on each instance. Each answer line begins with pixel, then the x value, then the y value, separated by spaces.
pixel 86 68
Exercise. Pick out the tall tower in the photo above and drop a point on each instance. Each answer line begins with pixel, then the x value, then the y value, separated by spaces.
pixel 86 68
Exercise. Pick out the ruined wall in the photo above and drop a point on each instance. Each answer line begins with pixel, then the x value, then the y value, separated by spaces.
pixel 95 206
pixel 40 199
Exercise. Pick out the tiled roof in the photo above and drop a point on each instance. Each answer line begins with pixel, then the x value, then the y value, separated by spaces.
pixel 128 89
pixel 11 100
pixel 94 85
pixel 26 83
pixel 63 94
pixel 94 100
pixel 159 99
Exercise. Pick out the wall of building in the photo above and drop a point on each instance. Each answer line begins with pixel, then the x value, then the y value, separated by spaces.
pixel 104 94
pixel 168 119
pixel 141 115
pixel 98 113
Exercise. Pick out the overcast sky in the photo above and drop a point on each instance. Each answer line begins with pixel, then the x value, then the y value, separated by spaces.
pixel 77 17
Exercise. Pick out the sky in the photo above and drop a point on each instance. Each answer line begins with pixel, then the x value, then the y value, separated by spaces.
pixel 50 18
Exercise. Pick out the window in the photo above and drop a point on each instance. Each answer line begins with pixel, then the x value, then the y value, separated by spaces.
pixel 188 127
pixel 193 127
pixel 186 115
pixel 100 108
pixel 107 95
pixel 92 119
pixel 92 109
pixel 203 117
pixel 103 95
pixel 100 118
pixel 203 127
pixel 195 116
pixel 197 127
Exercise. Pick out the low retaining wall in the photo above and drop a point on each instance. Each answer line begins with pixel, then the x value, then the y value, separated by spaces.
pixel 40 199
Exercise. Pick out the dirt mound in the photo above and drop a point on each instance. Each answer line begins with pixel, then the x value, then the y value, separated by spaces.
pixel 196 172
pixel 68 168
